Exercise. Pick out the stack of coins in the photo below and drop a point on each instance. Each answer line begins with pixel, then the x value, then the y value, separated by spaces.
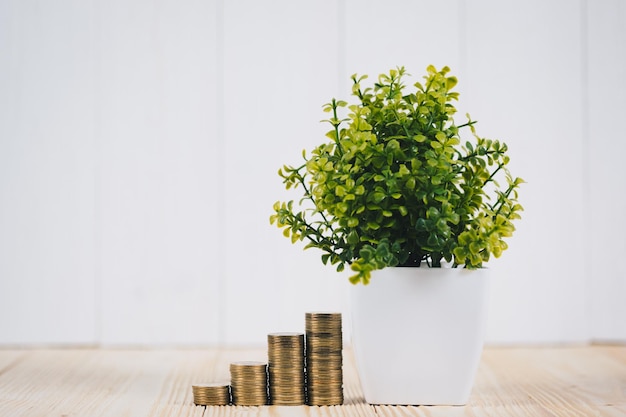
pixel 286 368
pixel 324 359
pixel 248 383
pixel 211 394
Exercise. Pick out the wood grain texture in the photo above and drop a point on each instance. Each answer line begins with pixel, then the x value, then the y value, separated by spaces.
pixel 567 381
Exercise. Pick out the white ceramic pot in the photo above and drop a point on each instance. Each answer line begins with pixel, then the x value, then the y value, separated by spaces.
pixel 418 334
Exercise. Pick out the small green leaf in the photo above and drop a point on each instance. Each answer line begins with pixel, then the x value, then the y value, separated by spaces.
pixel 378 197
pixel 353 237
pixel 373 225
pixel 451 82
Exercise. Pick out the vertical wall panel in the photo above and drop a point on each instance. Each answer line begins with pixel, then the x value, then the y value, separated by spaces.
pixel 606 148
pixel 158 177
pixel 525 82
pixel 280 66
pixel 414 34
pixel 46 172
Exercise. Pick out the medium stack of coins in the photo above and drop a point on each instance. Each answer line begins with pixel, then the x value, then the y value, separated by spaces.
pixel 324 359
pixel 285 353
pixel 211 394
pixel 248 383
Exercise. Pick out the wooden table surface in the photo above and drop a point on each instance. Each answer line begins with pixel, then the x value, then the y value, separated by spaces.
pixel 565 381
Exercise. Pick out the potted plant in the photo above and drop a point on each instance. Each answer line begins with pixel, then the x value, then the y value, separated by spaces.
pixel 395 185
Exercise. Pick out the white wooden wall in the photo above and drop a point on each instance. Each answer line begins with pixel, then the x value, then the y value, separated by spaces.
pixel 139 144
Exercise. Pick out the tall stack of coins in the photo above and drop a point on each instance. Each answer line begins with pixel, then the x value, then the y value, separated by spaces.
pixel 248 383
pixel 211 394
pixel 324 359
pixel 285 353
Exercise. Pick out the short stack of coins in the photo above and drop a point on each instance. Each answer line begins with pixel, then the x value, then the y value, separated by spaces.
pixel 248 383
pixel 211 394
pixel 324 359
pixel 285 352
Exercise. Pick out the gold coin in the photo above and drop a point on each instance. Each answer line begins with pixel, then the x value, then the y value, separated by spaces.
pixel 323 322
pixel 323 316
pixel 324 386
pixel 247 365
pixel 323 352
pixel 285 337
pixel 286 368
pixel 293 401
pixel 335 399
pixel 211 394
pixel 323 362
pixel 248 383
pixel 324 341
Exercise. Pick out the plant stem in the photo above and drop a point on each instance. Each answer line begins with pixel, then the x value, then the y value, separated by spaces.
pixel 493 174
pixel 336 125
pixel 309 196
pixel 466 124
pixel 501 200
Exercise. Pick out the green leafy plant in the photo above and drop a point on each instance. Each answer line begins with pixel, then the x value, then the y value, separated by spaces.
pixel 395 185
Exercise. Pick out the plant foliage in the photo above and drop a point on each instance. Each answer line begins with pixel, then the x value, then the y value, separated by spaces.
pixel 395 185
